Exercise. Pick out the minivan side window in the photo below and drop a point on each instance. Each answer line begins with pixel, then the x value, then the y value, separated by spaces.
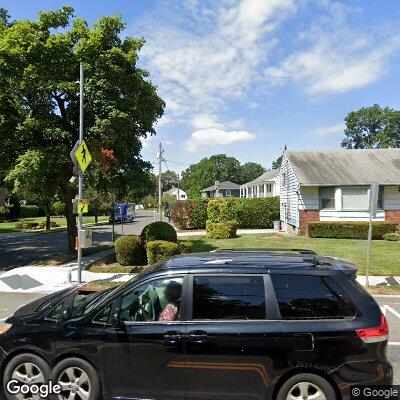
pixel 158 300
pixel 311 297
pixel 228 297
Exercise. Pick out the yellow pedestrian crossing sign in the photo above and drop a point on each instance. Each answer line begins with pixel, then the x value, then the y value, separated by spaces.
pixel 83 156
pixel 83 208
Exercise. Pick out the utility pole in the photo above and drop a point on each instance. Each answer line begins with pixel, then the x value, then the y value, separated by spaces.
pixel 160 157
pixel 80 187
pixel 179 182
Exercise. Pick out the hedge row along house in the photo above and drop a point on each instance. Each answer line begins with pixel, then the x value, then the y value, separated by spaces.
pixel 334 186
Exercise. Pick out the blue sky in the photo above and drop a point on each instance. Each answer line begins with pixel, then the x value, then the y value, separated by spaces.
pixel 246 77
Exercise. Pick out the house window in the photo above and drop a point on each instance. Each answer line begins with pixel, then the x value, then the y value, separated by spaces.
pixel 228 192
pixel 284 179
pixel 355 198
pixel 380 197
pixel 327 198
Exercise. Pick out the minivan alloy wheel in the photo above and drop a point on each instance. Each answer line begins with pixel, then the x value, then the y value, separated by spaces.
pixel 75 384
pixel 28 373
pixel 305 391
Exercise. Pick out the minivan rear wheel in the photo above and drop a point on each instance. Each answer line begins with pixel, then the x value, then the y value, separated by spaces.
pixel 306 387
pixel 78 380
pixel 26 369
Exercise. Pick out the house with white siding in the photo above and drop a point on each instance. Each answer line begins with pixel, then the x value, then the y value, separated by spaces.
pixel 335 185
pixel 266 185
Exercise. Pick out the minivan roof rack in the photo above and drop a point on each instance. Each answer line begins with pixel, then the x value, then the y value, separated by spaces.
pixel 272 250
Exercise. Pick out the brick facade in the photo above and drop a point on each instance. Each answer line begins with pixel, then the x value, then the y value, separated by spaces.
pixel 393 216
pixel 305 217
pixel 2 196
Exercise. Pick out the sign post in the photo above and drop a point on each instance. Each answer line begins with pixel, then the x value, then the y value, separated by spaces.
pixel 373 208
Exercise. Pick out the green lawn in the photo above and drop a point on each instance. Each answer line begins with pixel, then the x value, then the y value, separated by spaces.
pixel 385 255
pixel 6 227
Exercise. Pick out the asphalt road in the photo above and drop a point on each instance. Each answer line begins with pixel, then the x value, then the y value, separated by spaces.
pixel 18 249
pixel 10 302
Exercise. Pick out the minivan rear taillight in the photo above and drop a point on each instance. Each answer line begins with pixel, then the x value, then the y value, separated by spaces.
pixel 374 335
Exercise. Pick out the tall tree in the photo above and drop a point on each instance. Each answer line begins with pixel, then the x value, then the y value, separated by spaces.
pixel 250 171
pixel 219 167
pixel 39 100
pixel 277 163
pixel 372 127
pixel 34 177
pixel 169 179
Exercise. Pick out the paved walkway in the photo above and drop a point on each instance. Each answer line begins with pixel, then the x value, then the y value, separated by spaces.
pixel 239 232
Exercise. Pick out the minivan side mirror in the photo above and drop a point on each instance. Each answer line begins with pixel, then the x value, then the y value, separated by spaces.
pixel 115 318
pixel 64 315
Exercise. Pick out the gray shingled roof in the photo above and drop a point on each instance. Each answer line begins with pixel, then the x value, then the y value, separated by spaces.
pixel 266 176
pixel 222 186
pixel 346 167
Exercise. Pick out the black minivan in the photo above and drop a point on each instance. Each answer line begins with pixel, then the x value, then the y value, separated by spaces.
pixel 256 325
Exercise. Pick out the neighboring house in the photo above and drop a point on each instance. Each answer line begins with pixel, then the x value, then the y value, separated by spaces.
pixel 222 189
pixel 334 186
pixel 2 196
pixel 179 194
pixel 266 185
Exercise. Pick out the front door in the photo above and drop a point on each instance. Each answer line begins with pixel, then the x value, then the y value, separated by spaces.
pixel 231 347
pixel 151 337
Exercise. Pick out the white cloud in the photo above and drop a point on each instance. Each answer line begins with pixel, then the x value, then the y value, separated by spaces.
pixel 339 59
pixel 215 137
pixel 323 131
pixel 216 56
pixel 204 121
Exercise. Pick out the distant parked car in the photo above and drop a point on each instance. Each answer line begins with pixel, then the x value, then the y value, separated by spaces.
pixel 139 207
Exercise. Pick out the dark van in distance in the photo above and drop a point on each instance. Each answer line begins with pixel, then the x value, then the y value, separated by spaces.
pixel 276 324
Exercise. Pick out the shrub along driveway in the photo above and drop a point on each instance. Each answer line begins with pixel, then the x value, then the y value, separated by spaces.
pixel 385 255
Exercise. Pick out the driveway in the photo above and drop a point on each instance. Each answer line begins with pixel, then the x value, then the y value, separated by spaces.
pixel 18 249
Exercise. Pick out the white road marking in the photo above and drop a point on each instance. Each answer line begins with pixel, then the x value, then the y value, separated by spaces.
pixel 385 308
pixel 394 343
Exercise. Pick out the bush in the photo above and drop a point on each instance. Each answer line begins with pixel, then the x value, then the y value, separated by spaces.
pixel 185 247
pixel 31 225
pixel 158 231
pixel 129 250
pixel 58 208
pixel 4 214
pixel 248 213
pixel 392 237
pixel 161 250
pixel 189 214
pixel 349 230
pixel 221 230
pixel 29 211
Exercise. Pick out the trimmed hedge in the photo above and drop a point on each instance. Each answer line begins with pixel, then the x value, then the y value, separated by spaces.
pixel 189 214
pixel 29 211
pixel 58 208
pixel 248 213
pixel 129 250
pixel 158 231
pixel 185 246
pixel 392 237
pixel 349 230
pixel 4 213
pixel 161 250
pixel 221 230
pixel 34 225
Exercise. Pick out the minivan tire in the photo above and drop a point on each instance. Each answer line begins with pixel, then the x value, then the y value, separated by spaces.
pixel 38 365
pixel 80 368
pixel 314 381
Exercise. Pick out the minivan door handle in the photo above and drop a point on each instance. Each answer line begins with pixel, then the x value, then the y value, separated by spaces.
pixel 173 337
pixel 197 336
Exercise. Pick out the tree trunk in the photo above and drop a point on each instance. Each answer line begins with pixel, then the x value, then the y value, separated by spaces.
pixel 95 216
pixel 48 215
pixel 71 219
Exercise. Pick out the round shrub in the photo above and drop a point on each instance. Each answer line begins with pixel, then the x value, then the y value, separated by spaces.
pixel 221 230
pixel 392 237
pixel 158 231
pixel 129 250
pixel 58 208
pixel 185 246
pixel 161 250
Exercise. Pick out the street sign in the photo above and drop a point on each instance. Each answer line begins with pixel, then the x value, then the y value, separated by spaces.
pixel 83 156
pixel 72 154
pixel 373 199
pixel 80 208
pixel 85 238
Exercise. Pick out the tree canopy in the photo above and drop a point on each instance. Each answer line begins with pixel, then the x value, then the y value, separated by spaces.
pixel 39 100
pixel 219 167
pixel 372 127
pixel 169 179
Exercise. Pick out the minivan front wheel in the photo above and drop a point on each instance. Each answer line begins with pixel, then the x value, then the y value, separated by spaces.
pixel 78 380
pixel 306 387
pixel 25 369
